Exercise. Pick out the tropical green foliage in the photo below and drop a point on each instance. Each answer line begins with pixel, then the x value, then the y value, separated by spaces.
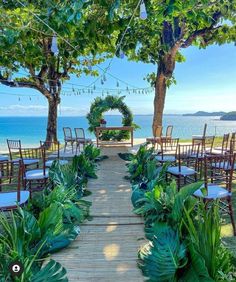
pixel 48 223
pixel 102 105
pixel 184 236
pixel 142 165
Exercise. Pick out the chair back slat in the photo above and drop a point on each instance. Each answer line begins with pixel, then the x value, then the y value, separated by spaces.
pixel 14 147
pixel 208 143
pixel 51 149
pixel 225 142
pixel 79 133
pixel 204 130
pixel 219 169
pixel 169 145
pixel 11 177
pixel 185 152
pixel 67 133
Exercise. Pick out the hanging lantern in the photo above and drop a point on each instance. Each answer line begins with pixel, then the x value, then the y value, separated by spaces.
pixel 117 84
pixel 89 66
pixel 104 78
pixel 54 47
pixel 102 82
pixel 122 54
pixel 143 11
pixel 94 87
pixel 9 79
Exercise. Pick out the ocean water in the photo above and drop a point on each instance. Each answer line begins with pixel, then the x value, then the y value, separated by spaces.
pixel 33 129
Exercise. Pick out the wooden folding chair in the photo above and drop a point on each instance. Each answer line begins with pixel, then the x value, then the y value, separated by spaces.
pixel 183 170
pixel 11 194
pixel 218 179
pixel 52 152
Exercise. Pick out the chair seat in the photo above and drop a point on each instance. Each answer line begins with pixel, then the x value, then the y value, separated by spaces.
pixel 3 158
pixel 26 161
pixel 30 161
pixel 73 139
pixel 50 162
pixel 216 151
pixel 82 140
pixel 9 199
pixel 213 192
pixel 198 137
pixel 223 165
pixel 165 158
pixel 153 139
pixel 36 174
pixel 194 156
pixel 184 171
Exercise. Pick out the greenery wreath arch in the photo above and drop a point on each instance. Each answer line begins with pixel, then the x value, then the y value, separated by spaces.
pixel 102 105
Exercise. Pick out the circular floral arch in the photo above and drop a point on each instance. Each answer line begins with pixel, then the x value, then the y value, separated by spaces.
pixel 102 105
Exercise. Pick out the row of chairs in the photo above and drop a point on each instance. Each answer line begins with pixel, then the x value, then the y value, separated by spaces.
pixel 200 160
pixel 78 140
pixel 27 168
pixel 155 140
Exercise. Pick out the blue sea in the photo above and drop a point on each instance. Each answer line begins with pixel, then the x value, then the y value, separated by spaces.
pixel 33 129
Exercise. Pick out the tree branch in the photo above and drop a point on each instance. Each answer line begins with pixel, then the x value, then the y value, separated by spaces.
pixel 201 32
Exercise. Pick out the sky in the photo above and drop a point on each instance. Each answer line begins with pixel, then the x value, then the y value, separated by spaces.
pixel 206 81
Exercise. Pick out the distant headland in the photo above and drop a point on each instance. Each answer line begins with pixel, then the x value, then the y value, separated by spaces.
pixel 205 114
pixel 222 115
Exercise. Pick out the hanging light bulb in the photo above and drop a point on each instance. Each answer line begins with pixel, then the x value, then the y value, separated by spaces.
pixel 9 79
pixel 117 84
pixel 143 11
pixel 94 87
pixel 89 66
pixel 102 82
pixel 54 47
pixel 122 54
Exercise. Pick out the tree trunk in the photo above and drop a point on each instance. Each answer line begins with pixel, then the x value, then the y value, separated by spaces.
pixel 159 101
pixel 165 71
pixel 52 120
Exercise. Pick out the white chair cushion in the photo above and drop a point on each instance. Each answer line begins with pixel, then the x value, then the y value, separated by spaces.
pixel 36 174
pixel 9 199
pixel 3 158
pixel 200 137
pixel 30 161
pixel 50 162
pixel 165 158
pixel 223 165
pixel 213 192
pixel 84 140
pixel 184 170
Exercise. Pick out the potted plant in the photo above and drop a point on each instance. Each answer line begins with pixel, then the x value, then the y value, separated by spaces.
pixel 103 123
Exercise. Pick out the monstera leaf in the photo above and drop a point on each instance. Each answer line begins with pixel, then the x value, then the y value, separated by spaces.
pixel 53 272
pixel 161 258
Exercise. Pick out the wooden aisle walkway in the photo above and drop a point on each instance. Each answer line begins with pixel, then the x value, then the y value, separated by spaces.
pixel 107 248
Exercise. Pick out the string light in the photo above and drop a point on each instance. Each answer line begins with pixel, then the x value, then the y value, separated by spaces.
pixel 143 11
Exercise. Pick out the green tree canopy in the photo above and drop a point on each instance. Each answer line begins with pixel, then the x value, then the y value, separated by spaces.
pixel 172 25
pixel 26 35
